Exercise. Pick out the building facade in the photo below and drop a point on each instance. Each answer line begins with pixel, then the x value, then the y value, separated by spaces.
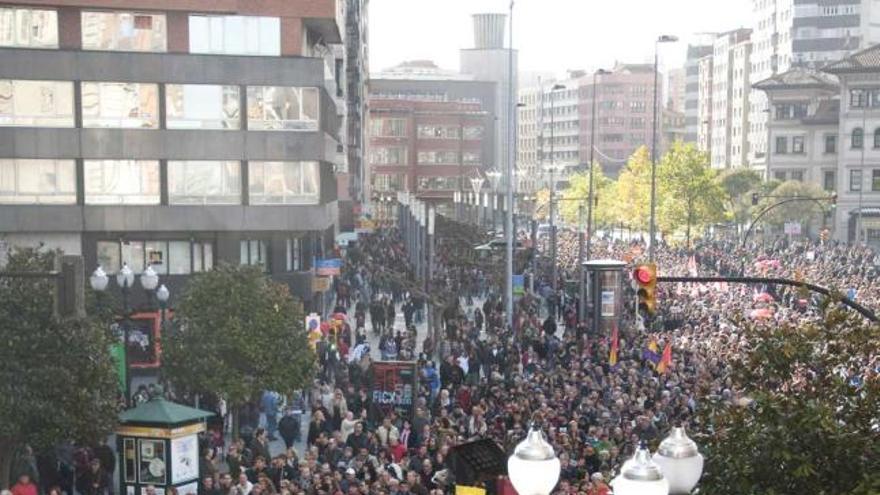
pixel 692 87
pixel 171 134
pixel 676 87
pixel 858 174
pixel 624 115
pixel 428 137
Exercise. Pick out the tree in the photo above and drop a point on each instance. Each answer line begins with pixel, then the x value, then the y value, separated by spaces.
pixel 632 192
pixel 805 212
pixel 688 194
pixel 57 378
pixel 738 185
pixel 578 189
pixel 542 204
pixel 811 425
pixel 238 333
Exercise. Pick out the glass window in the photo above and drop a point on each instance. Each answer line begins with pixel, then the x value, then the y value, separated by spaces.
pixel 36 103
pixel 472 157
pixel 37 182
pixel 781 145
pixel 858 138
pixel 109 256
pixel 203 256
pixel 124 31
pixel 877 138
pixel 133 255
pixel 473 132
pixel 439 132
pixel 179 257
pixel 855 180
pixel 875 180
pixel 388 182
pixel 438 158
pixel 830 144
pixel 780 176
pixel 829 182
pixel 157 256
pixel 282 108
pixel 858 98
pixel 202 106
pixel 388 127
pixel 235 35
pixel 389 155
pixel 277 183
pixel 438 183
pixel 797 175
pixel 294 254
pixel 28 28
pixel 204 182
pixel 797 144
pixel 122 182
pixel 254 252
pixel 120 105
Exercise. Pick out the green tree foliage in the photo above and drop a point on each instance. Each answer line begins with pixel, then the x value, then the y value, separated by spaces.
pixel 631 194
pixel 806 212
pixel 57 379
pixel 688 194
pixel 579 188
pixel 738 185
pixel 808 428
pixel 237 332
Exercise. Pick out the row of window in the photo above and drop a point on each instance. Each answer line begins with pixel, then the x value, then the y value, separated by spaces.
pixel 857 141
pixel 396 128
pixel 137 182
pixel 136 105
pixel 179 257
pixel 864 98
pixel 855 180
pixel 143 32
pixel 398 155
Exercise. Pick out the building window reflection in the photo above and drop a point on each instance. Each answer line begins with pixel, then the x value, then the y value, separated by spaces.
pixel 282 108
pixel 204 182
pixel 283 183
pixel 36 103
pixel 37 182
pixel 120 105
pixel 202 106
pixel 235 35
pixel 124 31
pixel 28 28
pixel 122 182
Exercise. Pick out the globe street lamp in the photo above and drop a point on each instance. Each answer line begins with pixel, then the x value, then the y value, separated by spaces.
pixel 533 468
pixel 125 280
pixel 680 461
pixel 640 476
pixel 477 184
pixel 494 179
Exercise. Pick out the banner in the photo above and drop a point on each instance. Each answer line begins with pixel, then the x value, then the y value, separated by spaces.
pixel 320 284
pixel 329 267
pixel 117 352
pixel 394 386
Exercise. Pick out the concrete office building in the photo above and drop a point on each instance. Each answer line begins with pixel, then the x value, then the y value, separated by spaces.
pixel 808 33
pixel 676 84
pixel 528 126
pixel 489 61
pixel 858 174
pixel 172 134
pixel 429 133
pixel 692 90
pixel 724 99
pixel 623 115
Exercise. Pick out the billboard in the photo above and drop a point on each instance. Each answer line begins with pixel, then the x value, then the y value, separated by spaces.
pixel 328 267
pixel 394 388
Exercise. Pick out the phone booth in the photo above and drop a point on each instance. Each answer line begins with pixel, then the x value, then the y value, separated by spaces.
pixel 604 294
pixel 158 445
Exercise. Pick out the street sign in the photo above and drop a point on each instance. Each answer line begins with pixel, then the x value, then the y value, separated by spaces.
pixel 332 266
pixel 320 284
pixel 792 228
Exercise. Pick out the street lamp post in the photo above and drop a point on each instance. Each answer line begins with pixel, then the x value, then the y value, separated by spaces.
pixel 553 272
pixel 511 137
pixel 600 72
pixel 680 461
pixel 533 468
pixel 125 280
pixel 477 184
pixel 662 39
pixel 494 179
pixel 640 476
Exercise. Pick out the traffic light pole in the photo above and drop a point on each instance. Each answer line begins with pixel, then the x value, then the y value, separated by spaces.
pixel 867 313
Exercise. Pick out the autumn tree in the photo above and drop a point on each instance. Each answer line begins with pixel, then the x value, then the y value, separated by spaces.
pixel 57 378
pixel 809 421
pixel 238 332
pixel 578 191
pixel 688 194
pixel 631 193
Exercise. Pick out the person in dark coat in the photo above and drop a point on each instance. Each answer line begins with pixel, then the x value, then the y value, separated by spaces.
pixel 289 428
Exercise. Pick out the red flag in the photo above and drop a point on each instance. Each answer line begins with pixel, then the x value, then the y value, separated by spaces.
pixel 666 360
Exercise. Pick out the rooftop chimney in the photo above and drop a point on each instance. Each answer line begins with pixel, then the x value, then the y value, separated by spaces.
pixel 489 31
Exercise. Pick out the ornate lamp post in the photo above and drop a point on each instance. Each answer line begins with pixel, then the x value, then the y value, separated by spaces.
pixel 640 476
pixel 533 468
pixel 680 460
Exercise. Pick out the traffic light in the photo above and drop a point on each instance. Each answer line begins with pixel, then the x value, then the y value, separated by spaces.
pixel 646 277
pixel 755 199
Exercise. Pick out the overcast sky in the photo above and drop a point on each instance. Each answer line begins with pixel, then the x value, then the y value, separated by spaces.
pixel 552 35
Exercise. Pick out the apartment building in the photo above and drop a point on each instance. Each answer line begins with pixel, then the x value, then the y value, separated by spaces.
pixel 170 134
pixel 692 90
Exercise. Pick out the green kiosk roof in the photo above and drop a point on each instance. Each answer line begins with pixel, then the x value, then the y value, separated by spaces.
pixel 159 411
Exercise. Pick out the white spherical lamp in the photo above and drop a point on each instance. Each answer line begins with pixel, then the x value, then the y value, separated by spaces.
pixel 640 476
pixel 533 468
pixel 680 461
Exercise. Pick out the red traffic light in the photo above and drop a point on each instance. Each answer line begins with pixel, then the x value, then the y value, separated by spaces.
pixel 644 275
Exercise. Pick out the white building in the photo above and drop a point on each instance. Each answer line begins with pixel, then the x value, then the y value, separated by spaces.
pixel 692 90
pixel 727 119
pixel 858 211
